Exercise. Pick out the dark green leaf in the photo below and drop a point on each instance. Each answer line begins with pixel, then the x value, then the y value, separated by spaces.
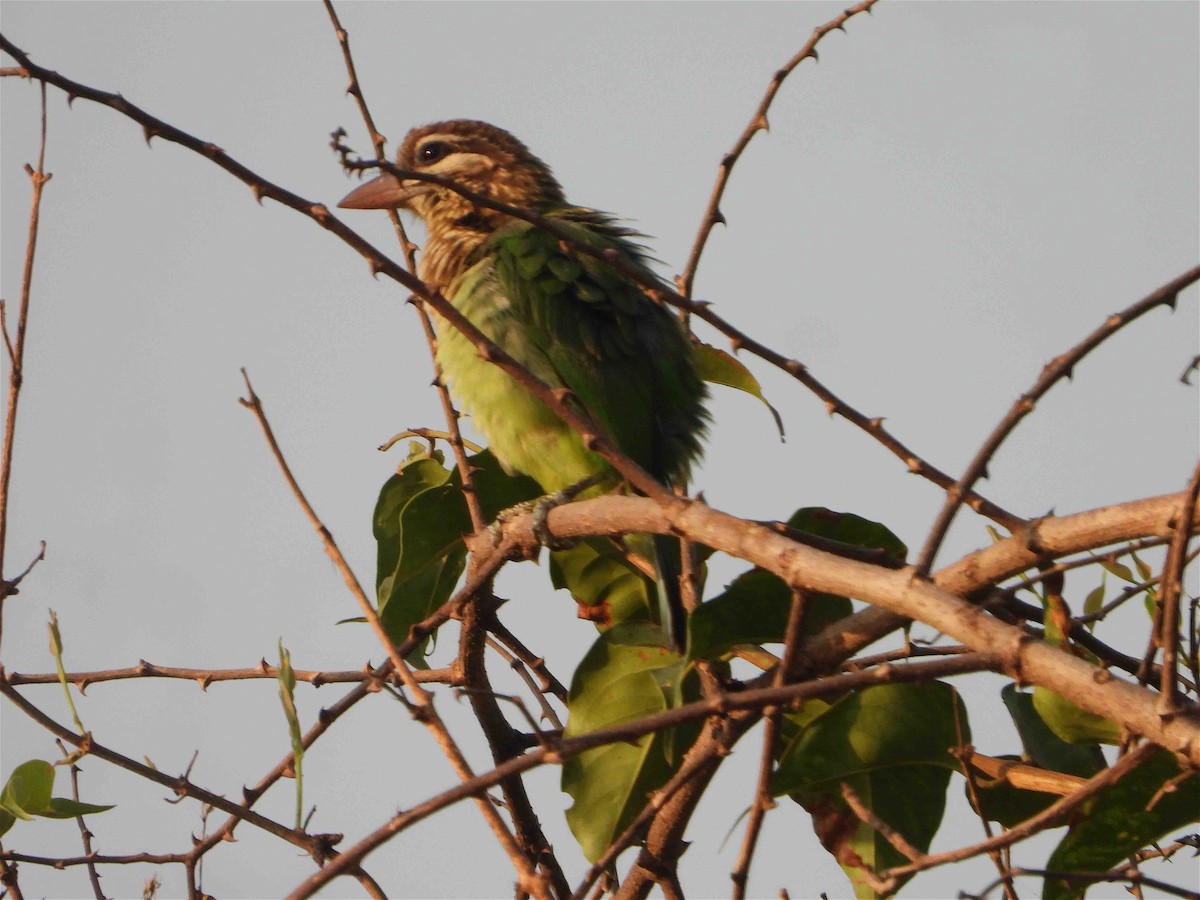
pixel 754 609
pixel 848 528
pixel 1116 822
pixel 892 744
pixel 626 675
pixel 419 522
pixel 599 576
pixel 1042 746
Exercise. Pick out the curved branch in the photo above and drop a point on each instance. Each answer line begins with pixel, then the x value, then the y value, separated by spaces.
pixel 1062 366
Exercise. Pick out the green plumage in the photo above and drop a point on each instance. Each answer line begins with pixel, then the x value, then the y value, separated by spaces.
pixel 576 323
pixel 572 320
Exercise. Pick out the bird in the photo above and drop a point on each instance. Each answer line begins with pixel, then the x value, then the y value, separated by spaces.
pixel 572 320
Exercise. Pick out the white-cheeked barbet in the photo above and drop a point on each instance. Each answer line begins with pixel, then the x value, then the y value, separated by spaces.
pixel 572 320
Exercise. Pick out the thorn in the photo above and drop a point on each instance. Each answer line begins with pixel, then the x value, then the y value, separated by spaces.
pixel 815 56
pixel 376 268
pixel 718 218
pixel 71 100
pixel 736 344
pixel 148 132
pixel 761 123
pixel 1171 301
pixel 831 407
pixel 914 465
pixel 258 193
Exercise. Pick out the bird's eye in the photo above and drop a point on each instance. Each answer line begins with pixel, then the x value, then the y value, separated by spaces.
pixel 432 152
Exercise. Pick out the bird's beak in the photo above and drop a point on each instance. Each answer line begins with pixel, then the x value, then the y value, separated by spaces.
pixel 384 192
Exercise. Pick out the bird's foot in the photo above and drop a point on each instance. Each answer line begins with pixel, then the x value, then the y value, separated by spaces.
pixel 541 510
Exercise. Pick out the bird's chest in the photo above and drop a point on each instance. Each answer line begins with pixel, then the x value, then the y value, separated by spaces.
pixel 523 433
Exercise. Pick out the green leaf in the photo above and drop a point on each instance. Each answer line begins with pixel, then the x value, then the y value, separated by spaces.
pixel 1071 723
pixel 27 792
pixel 419 522
pixel 1095 600
pixel 599 577
pixel 1119 569
pixel 891 744
pixel 1042 745
pixel 754 609
pixel 62 808
pixel 718 367
pixel 1008 805
pixel 847 528
pixel 627 674
pixel 1143 568
pixel 1116 822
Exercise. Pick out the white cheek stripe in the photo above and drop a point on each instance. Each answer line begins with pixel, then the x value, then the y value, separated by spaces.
pixel 461 164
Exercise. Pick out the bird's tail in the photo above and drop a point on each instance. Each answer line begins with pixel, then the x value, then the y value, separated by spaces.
pixel 668 566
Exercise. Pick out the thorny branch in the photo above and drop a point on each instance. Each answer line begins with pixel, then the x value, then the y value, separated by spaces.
pixel 676 516
pixel 422 701
pixel 1062 366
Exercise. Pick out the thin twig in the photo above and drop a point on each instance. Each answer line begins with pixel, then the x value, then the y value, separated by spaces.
pixel 422 701
pixel 763 799
pixel 16 351
pixel 1062 366
pixel 1045 819
pixel 629 731
pixel 757 123
pixel 84 833
pixel 205 677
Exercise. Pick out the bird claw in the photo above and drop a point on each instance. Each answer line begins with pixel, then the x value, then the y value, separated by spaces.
pixel 541 513
pixel 541 510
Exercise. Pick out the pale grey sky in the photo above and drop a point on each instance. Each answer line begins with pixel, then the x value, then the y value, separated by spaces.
pixel 955 194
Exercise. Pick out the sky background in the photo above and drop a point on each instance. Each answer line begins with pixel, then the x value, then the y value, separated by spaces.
pixel 953 196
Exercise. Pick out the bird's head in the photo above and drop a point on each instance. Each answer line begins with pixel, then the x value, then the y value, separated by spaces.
pixel 475 155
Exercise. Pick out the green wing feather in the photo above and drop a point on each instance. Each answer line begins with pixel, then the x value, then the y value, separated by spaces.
pixel 624 357
pixel 576 322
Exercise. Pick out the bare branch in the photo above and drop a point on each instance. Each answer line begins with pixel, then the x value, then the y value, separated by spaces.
pixel 1062 366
